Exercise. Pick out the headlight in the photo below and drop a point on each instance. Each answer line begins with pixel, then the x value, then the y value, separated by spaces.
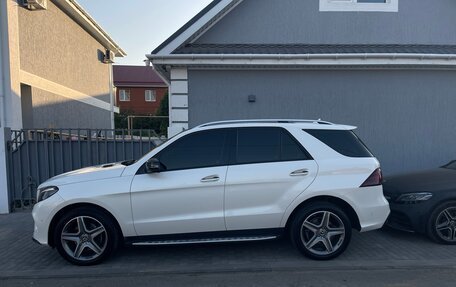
pixel 414 197
pixel 46 192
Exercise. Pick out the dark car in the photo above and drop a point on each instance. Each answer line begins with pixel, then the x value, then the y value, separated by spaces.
pixel 424 202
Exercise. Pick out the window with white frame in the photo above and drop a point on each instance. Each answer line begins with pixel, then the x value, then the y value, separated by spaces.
pixel 124 95
pixel 360 5
pixel 151 96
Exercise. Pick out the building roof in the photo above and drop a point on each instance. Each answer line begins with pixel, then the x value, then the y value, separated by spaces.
pixel 275 49
pixel 217 9
pixel 80 16
pixel 187 25
pixel 198 25
pixel 136 76
pixel 181 49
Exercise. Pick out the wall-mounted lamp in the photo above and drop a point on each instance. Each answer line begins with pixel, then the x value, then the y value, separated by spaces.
pixel 252 98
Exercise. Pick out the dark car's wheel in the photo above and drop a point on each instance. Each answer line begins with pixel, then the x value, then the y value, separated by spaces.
pixel 85 236
pixel 442 223
pixel 321 231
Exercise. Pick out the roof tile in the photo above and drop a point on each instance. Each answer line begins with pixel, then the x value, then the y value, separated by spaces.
pixel 314 49
pixel 136 76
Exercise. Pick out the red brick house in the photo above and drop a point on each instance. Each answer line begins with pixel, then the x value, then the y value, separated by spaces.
pixel 139 90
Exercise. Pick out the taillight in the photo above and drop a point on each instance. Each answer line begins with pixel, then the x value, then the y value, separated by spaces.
pixel 376 178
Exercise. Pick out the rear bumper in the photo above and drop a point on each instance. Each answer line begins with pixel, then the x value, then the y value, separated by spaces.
pixel 380 214
pixel 36 241
pixel 371 207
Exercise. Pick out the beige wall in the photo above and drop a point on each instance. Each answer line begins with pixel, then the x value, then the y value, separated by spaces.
pixel 71 114
pixel 12 100
pixel 53 47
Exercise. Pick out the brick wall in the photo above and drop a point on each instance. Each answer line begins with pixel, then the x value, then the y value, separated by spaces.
pixel 137 104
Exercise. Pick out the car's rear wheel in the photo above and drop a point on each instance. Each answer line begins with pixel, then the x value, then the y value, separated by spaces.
pixel 442 223
pixel 321 231
pixel 85 236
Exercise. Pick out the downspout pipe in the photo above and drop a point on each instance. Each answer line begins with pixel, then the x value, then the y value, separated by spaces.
pixel 112 96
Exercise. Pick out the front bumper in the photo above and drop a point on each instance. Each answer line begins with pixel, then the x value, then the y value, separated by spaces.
pixel 410 217
pixel 42 214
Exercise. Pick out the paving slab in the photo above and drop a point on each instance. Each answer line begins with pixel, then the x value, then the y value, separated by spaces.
pixel 384 249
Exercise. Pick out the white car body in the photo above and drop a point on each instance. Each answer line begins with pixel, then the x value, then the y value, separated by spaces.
pixel 178 202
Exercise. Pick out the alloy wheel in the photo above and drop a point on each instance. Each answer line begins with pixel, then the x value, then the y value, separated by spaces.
pixel 323 233
pixel 84 238
pixel 445 224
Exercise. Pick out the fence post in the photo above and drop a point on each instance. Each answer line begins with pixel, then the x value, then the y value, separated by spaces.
pixel 5 135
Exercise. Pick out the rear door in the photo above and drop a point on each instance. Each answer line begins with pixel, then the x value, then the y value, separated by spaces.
pixel 269 168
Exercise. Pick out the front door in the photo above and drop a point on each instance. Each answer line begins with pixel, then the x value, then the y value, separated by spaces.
pixel 187 196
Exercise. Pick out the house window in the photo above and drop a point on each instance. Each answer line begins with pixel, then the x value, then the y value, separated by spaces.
pixel 151 96
pixel 360 5
pixel 124 95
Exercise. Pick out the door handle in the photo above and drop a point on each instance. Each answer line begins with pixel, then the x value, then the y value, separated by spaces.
pixel 210 178
pixel 300 172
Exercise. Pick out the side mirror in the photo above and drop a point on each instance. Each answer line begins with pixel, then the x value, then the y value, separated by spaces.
pixel 153 166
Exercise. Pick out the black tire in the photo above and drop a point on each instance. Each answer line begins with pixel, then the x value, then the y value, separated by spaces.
pixel 438 218
pixel 300 234
pixel 104 241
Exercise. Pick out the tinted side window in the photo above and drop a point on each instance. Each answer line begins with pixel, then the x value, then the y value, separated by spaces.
pixel 344 142
pixel 198 150
pixel 256 145
pixel 290 149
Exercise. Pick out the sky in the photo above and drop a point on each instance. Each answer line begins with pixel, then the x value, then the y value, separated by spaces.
pixel 139 26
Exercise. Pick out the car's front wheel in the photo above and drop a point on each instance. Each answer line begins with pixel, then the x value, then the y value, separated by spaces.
pixel 321 231
pixel 442 223
pixel 85 236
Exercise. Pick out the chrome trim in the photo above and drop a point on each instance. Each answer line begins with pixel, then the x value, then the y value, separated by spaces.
pixel 204 240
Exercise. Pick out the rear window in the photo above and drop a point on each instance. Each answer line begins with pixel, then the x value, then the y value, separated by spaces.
pixel 342 141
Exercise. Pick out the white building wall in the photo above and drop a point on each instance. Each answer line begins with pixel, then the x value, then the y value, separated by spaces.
pixel 11 64
pixel 4 201
pixel 178 101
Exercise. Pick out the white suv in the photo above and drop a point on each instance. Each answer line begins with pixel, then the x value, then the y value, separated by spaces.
pixel 220 182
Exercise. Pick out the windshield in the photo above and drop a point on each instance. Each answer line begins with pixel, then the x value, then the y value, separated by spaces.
pixel 451 165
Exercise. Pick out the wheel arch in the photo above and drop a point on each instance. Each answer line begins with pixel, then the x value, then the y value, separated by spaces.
pixel 67 208
pixel 351 213
pixel 441 201
pixel 433 207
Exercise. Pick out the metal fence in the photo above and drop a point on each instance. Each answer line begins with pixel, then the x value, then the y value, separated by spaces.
pixel 37 155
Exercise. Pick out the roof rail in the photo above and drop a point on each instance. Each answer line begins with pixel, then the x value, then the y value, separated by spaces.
pixel 287 121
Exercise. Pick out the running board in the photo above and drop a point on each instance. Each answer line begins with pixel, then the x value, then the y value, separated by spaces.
pixel 203 240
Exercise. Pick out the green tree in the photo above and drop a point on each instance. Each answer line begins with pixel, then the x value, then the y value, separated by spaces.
pixel 120 120
pixel 159 125
pixel 163 111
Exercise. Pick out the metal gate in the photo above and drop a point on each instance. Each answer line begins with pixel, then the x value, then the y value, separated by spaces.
pixel 37 155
